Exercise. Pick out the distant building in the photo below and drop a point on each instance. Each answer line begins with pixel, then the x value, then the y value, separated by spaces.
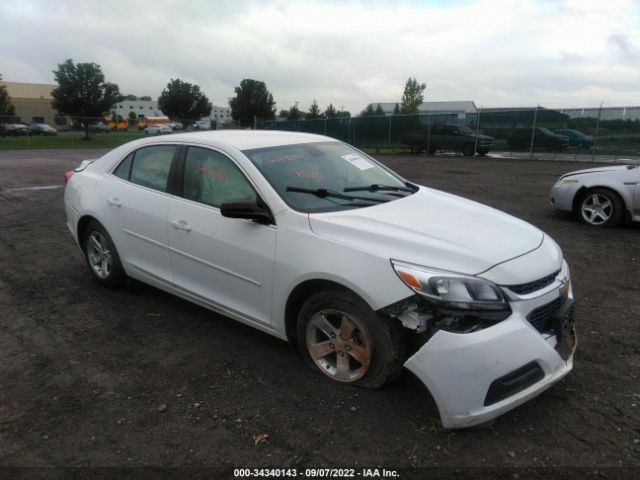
pixel 220 115
pixel 32 102
pixel 142 108
pixel 608 113
pixel 445 112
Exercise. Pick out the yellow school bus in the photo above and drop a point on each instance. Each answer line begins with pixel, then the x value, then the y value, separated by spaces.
pixel 150 121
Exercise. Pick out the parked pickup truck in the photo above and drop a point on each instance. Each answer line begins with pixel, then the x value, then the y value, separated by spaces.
pixel 448 137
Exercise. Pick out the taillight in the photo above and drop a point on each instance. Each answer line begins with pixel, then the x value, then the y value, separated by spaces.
pixel 67 176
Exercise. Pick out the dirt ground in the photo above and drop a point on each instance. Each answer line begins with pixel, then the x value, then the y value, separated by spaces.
pixel 107 381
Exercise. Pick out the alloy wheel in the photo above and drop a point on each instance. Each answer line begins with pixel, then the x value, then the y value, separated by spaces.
pixel 596 209
pixel 339 345
pixel 99 254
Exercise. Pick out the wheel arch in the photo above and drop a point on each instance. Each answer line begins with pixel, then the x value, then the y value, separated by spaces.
pixel 83 222
pixel 585 189
pixel 299 295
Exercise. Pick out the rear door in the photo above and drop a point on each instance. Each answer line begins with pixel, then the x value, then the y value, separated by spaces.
pixel 224 261
pixel 138 201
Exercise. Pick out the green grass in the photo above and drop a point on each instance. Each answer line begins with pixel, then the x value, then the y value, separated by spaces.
pixel 69 140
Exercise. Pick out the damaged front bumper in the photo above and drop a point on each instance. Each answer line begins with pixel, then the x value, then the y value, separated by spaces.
pixel 475 377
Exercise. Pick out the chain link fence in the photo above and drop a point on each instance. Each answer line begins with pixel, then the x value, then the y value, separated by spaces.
pixel 597 133
pixel 603 133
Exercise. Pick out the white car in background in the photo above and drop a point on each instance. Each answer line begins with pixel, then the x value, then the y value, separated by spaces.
pixel 308 239
pixel 158 130
pixel 602 196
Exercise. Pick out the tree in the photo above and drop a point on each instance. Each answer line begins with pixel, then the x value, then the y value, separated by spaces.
pixel 294 113
pixel 283 113
pixel 331 111
pixel 184 101
pixel 133 116
pixel 6 107
pixel 413 96
pixel 145 98
pixel 252 99
pixel 344 114
pixel 314 111
pixel 130 97
pixel 369 111
pixel 396 109
pixel 83 92
pixel 380 111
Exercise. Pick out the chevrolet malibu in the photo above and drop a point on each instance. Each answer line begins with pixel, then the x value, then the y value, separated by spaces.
pixel 308 239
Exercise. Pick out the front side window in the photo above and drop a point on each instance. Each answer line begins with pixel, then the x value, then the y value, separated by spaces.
pixel 212 178
pixel 334 175
pixel 148 167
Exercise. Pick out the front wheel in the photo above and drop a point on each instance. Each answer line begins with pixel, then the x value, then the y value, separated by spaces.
pixel 340 336
pixel 101 256
pixel 601 207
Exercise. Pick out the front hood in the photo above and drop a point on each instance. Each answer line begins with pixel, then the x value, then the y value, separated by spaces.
pixel 615 168
pixel 433 229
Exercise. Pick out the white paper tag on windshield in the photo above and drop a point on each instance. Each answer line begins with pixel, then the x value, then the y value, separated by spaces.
pixel 358 161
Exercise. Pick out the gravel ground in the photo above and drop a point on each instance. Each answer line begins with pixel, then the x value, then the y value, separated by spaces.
pixel 108 381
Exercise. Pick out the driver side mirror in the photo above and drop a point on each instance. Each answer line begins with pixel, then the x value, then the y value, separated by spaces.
pixel 247 209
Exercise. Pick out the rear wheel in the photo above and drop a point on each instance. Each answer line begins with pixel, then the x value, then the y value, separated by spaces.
pixel 601 207
pixel 343 338
pixel 101 256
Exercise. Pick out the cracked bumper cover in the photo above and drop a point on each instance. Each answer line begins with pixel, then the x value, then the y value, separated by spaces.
pixel 459 368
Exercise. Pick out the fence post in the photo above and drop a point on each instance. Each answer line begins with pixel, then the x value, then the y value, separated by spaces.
pixel 595 138
pixel 475 147
pixel 255 122
pixel 325 125
pixel 390 130
pixel 429 137
pixel 533 132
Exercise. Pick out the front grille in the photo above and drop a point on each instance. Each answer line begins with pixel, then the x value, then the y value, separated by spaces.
pixel 540 318
pixel 525 288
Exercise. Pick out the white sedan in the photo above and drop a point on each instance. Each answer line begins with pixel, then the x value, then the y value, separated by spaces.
pixel 602 196
pixel 158 130
pixel 308 239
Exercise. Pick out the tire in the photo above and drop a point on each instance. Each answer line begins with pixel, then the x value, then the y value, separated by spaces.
pixel 468 151
pixel 340 336
pixel 601 207
pixel 102 257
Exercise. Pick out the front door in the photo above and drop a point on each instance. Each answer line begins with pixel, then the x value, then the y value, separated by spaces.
pixel 225 261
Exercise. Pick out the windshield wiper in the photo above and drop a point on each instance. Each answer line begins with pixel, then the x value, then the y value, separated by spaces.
pixel 375 187
pixel 323 193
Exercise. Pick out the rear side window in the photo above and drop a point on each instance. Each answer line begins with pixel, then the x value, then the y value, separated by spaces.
pixel 148 167
pixel 212 178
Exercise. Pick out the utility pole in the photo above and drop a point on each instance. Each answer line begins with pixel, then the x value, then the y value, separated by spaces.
pixel 533 131
pixel 475 148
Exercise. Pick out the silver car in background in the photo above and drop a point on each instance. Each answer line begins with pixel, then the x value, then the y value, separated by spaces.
pixel 601 197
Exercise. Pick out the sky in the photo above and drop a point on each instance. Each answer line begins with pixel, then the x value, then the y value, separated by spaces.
pixel 497 53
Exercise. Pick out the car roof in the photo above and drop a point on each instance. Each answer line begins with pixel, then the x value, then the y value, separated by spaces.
pixel 247 139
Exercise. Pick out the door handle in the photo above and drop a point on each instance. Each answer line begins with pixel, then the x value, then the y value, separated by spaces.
pixel 114 201
pixel 181 225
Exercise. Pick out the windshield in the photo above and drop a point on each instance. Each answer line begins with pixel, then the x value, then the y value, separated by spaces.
pixel 320 173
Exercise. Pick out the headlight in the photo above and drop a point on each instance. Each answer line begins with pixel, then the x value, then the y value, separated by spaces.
pixel 453 289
